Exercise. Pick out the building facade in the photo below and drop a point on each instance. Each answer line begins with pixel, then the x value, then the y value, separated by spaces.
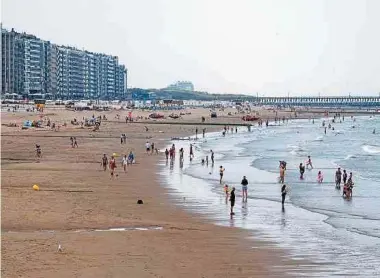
pixel 181 86
pixel 34 68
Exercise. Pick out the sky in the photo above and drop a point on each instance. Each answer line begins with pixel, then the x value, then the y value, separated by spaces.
pixel 264 47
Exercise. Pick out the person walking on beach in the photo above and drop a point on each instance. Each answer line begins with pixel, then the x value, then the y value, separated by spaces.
pixel 302 171
pixel 283 194
pixel 104 162
pixel 72 141
pixel 221 173
pixel 309 163
pixel 38 151
pixel 244 184
pixel 212 157
pixel 131 158
pixel 124 163
pixel 338 178
pixel 203 132
pixel 147 147
pixel 196 133
pixel 232 200
pixel 152 147
pixel 191 152
pixel 75 143
pixel 112 165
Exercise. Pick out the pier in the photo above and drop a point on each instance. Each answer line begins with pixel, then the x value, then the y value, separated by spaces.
pixel 330 102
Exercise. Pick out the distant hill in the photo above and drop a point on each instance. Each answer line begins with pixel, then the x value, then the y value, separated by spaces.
pixel 151 94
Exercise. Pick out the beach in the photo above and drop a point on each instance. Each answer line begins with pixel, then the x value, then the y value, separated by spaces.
pixel 316 224
pixel 78 204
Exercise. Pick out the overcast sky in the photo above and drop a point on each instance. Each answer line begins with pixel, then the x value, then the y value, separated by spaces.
pixel 273 47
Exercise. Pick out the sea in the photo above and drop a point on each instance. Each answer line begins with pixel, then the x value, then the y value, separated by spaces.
pixel 338 236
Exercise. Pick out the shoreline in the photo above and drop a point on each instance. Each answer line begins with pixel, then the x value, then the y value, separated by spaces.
pixel 111 204
pixel 204 181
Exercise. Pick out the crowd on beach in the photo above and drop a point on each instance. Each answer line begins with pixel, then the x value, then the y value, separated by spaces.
pixel 342 177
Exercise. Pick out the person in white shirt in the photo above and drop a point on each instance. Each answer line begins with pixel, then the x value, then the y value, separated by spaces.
pixel 124 162
pixel 147 146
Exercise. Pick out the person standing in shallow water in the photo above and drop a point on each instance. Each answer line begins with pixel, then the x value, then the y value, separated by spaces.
pixel 232 200
pixel 244 184
pixel 344 176
pixel 338 178
pixel 302 171
pixel 221 173
pixel 283 194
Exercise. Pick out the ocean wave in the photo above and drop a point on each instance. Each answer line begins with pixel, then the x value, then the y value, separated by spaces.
pixel 348 157
pixel 319 138
pixel 371 149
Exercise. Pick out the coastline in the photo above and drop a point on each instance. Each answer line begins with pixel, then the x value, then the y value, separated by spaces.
pixel 196 249
pixel 194 181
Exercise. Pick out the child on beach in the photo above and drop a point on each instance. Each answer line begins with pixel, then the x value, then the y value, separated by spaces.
pixel 104 162
pixel 226 191
pixel 309 163
pixel 320 177
pixel 282 174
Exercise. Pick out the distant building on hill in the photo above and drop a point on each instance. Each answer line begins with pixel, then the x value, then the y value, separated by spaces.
pixel 181 86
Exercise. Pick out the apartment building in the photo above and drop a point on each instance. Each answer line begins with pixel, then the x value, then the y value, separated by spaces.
pixel 34 68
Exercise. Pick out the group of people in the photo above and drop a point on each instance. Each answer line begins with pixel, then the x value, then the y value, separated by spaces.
pixel 74 143
pixel 348 184
pixel 111 163
pixel 171 153
pixel 150 148
pixel 339 176
pixel 230 195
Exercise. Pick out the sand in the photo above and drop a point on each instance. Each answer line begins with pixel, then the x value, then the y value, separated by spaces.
pixel 77 197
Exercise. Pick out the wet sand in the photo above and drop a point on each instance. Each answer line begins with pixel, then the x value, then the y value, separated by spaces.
pixel 76 197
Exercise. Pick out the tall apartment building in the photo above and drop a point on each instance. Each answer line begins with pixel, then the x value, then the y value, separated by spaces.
pixel 33 68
